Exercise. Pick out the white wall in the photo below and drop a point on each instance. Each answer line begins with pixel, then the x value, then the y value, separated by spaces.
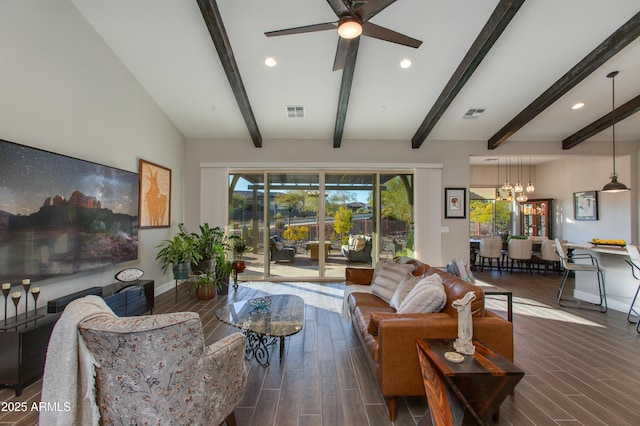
pixel 63 90
pixel 561 178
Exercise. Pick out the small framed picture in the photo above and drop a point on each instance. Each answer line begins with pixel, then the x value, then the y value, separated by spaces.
pixel 455 203
pixel 585 205
pixel 154 196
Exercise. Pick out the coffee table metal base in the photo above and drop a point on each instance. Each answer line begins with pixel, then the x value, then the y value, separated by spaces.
pixel 258 347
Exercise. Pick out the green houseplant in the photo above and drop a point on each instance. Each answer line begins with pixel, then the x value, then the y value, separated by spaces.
pixel 223 272
pixel 205 285
pixel 211 241
pixel 178 253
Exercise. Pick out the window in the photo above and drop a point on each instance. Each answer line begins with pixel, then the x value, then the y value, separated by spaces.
pixel 487 217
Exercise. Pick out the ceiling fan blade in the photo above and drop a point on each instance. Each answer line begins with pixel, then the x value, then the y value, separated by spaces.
pixel 341 53
pixel 339 8
pixel 382 33
pixel 304 29
pixel 370 8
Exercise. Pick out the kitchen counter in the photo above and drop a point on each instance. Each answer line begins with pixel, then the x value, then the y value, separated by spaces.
pixel 619 282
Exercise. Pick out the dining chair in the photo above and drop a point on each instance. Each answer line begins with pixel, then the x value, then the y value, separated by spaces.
pixel 568 265
pixel 490 248
pixel 548 255
pixel 634 262
pixel 520 251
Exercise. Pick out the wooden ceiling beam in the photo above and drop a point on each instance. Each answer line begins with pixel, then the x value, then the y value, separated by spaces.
pixel 213 20
pixel 345 90
pixel 492 30
pixel 604 122
pixel 589 64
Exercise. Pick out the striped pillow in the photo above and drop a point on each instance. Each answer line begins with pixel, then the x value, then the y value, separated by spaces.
pixel 389 278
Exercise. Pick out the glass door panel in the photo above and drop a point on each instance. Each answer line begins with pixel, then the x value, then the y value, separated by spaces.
pixel 350 223
pixel 396 215
pixel 293 225
pixel 246 219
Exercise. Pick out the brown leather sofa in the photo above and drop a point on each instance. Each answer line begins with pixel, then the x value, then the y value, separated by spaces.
pixel 389 339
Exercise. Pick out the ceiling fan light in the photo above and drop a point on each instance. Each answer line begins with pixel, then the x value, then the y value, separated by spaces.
pixel 349 28
pixel 405 63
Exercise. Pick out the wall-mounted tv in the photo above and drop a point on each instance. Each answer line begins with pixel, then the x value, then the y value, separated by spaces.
pixel 60 215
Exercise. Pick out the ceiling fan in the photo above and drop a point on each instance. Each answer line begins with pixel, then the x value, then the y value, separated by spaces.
pixel 353 20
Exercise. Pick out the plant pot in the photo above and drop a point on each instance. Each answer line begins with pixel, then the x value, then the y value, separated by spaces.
pixel 239 266
pixel 225 286
pixel 181 271
pixel 205 293
pixel 203 266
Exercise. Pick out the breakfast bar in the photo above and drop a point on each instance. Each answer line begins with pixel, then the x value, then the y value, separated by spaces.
pixel 619 282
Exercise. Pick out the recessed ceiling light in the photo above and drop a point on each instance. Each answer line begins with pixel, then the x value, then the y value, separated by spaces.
pixel 270 61
pixel 405 63
pixel 578 105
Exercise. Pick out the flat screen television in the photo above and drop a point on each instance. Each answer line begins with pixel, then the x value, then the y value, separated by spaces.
pixel 61 215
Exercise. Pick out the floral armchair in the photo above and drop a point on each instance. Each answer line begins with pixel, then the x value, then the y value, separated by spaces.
pixel 156 370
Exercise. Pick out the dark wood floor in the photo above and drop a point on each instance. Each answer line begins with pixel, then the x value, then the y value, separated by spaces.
pixel 581 366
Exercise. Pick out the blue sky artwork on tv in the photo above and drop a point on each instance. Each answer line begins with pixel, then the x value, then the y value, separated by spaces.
pixel 60 215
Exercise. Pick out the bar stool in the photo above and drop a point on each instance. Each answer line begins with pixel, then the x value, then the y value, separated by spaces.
pixel 568 266
pixel 634 262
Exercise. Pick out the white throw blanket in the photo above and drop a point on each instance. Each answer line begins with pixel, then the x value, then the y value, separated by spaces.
pixel 347 291
pixel 69 371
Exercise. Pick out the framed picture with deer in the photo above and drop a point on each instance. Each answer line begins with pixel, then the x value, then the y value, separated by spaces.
pixel 154 196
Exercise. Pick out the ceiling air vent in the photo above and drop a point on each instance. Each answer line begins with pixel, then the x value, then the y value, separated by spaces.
pixel 473 113
pixel 295 111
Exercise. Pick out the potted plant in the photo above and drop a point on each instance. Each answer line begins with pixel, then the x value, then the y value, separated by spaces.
pixel 211 242
pixel 205 285
pixel 178 253
pixel 238 265
pixel 223 270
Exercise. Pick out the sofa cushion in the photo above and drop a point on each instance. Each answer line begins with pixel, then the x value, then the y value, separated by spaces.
pixel 369 300
pixel 403 290
pixel 389 278
pixel 427 296
pixel 376 317
pixel 455 289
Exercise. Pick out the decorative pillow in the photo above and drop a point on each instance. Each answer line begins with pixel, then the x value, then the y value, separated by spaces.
pixel 357 242
pixel 403 290
pixel 389 278
pixel 278 245
pixel 377 269
pixel 427 296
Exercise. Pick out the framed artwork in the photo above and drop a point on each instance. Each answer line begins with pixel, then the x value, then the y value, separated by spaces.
pixel 455 203
pixel 154 195
pixel 585 205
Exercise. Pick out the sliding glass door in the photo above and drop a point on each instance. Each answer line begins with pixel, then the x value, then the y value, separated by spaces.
pixel 302 225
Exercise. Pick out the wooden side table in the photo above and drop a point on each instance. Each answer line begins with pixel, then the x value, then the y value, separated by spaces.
pixel 469 392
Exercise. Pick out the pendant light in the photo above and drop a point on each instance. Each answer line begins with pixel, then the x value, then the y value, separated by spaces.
pixel 614 185
pixel 498 195
pixel 507 185
pixel 518 186
pixel 530 187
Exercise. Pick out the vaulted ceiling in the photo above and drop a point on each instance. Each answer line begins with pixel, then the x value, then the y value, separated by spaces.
pixel 525 63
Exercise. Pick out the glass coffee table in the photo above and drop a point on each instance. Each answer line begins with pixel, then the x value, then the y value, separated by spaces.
pixel 264 320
